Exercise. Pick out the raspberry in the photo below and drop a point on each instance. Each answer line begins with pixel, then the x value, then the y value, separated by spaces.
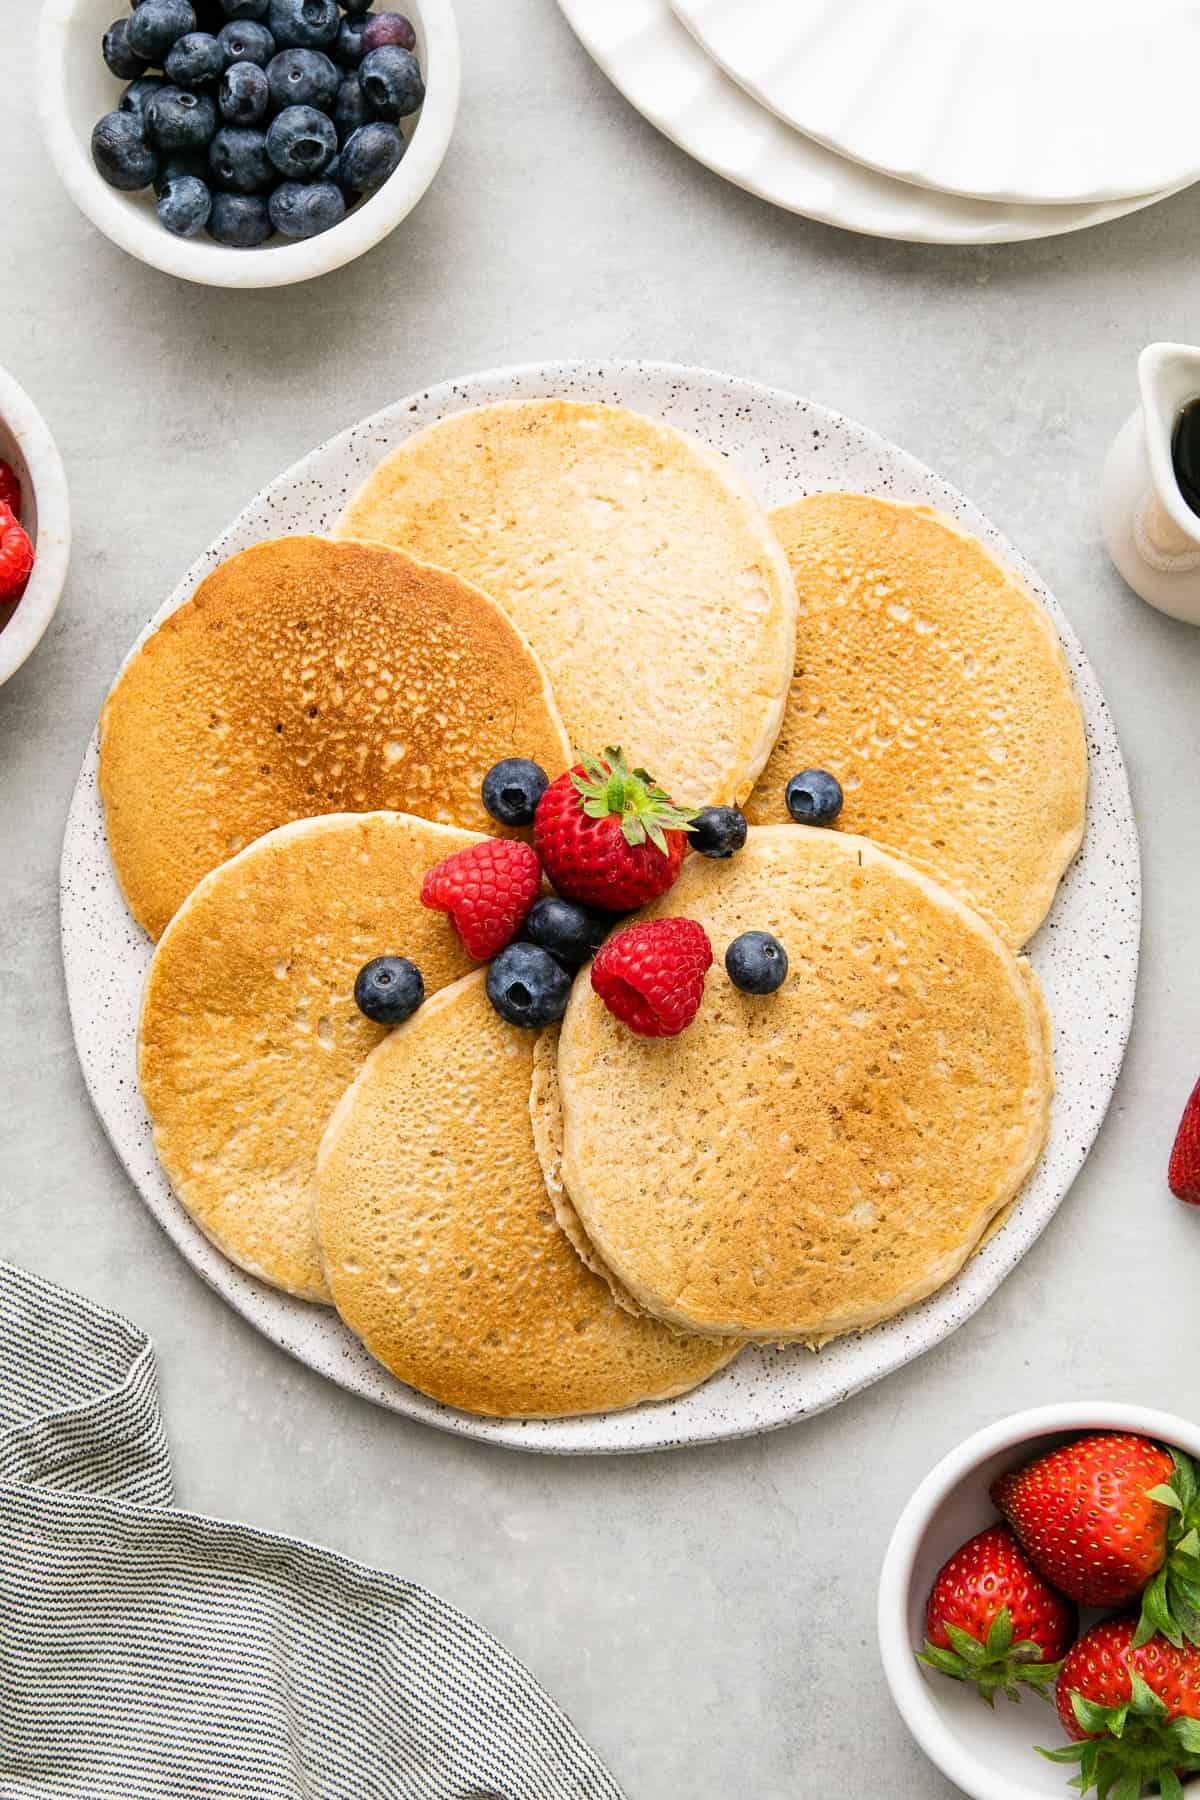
pixel 651 975
pixel 487 889
pixel 10 489
pixel 16 556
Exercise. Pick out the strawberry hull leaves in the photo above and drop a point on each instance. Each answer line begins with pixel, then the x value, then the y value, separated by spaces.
pixel 1171 1602
pixel 996 1665
pixel 1132 1747
pixel 610 787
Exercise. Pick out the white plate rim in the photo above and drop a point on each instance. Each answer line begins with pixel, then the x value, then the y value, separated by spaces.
pixel 652 59
pixel 795 75
pixel 292 1324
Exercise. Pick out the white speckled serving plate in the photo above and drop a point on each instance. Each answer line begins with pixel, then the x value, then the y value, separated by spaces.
pixel 1086 954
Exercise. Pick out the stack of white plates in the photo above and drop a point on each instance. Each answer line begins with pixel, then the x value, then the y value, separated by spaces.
pixel 924 119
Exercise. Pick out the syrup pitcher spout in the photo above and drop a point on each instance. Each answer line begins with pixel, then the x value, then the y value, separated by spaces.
pixel 1150 498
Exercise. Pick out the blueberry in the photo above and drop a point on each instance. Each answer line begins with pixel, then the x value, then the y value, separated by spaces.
pixel 120 56
pixel 388 28
pixel 389 990
pixel 349 49
pixel 527 987
pixel 570 932
pixel 247 41
pixel 157 24
pixel 303 78
pixel 121 153
pixel 756 962
pixel 303 24
pixel 138 94
pixel 196 61
pixel 184 204
pixel 303 209
pixel 244 9
pixel 239 162
pixel 244 98
pixel 300 142
pixel 350 109
pixel 240 220
pixel 369 156
pixel 179 164
pixel 814 797
pixel 391 80
pixel 179 120
pixel 512 789
pixel 718 831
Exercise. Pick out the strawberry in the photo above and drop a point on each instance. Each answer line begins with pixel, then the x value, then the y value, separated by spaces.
pixel 651 975
pixel 10 489
pixel 1109 1517
pixel 609 836
pixel 16 556
pixel 1183 1171
pixel 991 1619
pixel 1133 1710
pixel 487 889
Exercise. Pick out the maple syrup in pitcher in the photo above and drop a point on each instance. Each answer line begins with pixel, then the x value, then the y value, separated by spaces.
pixel 1185 453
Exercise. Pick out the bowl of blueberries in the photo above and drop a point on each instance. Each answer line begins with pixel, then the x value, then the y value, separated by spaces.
pixel 247 143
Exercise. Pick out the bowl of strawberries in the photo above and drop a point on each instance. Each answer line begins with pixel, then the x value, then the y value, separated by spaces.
pixel 1039 1607
pixel 35 526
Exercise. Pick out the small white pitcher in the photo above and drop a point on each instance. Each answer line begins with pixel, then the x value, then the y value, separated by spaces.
pixel 1151 532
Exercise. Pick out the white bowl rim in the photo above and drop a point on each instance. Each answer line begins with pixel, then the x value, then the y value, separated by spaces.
pixel 274 265
pixel 48 479
pixel 912 1697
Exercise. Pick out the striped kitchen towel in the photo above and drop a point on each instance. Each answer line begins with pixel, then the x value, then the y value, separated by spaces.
pixel 150 1654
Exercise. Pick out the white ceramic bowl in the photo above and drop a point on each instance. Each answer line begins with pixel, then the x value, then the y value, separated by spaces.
pixel 74 89
pixel 26 444
pixel 989 1755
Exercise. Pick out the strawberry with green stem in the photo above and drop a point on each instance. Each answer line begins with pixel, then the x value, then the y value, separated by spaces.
pixel 1133 1710
pixel 993 1621
pixel 608 835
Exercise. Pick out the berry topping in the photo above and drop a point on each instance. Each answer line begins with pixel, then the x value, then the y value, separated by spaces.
pixel 300 142
pixel 247 41
pixel 156 26
pixel 349 49
pixel 756 962
pixel 244 95
pixel 567 930
pixel 196 61
pixel 993 1621
pixel 391 80
pixel 119 53
pixel 527 986
pixel 487 889
pixel 138 94
pixel 1133 1709
pixel 372 153
pixel 303 209
pixel 303 78
pixel 609 836
pixel 10 489
pixel 512 789
pixel 239 162
pixel 386 28
pixel 718 831
pixel 651 975
pixel 303 24
pixel 121 153
pixel 814 797
pixel 239 220
pixel 1183 1174
pixel 16 556
pixel 389 990
pixel 184 205
pixel 179 120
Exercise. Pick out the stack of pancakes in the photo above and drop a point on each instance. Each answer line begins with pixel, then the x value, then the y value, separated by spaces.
pixel 534 1226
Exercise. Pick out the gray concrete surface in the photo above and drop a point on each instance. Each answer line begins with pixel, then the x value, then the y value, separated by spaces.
pixel 706 1617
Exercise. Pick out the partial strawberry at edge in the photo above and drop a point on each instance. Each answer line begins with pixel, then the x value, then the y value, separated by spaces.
pixel 608 835
pixel 1109 1518
pixel 1133 1710
pixel 487 889
pixel 16 556
pixel 1183 1172
pixel 992 1620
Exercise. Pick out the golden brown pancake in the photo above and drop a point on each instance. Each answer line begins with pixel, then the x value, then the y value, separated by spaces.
pixel 304 677
pixel 249 1032
pixel 441 1246
pixel 935 688
pixel 635 560
pixel 809 1162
